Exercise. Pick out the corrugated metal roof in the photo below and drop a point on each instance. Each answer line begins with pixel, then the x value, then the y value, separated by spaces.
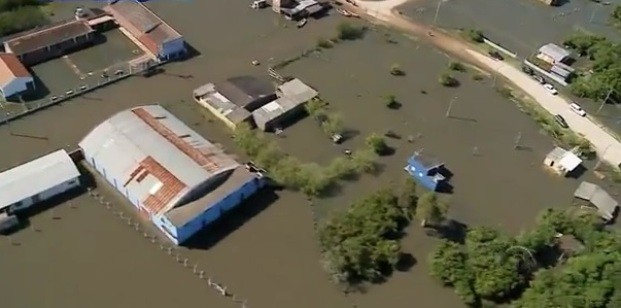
pixel 292 94
pixel 123 142
pixel 605 204
pixel 207 94
pixel 555 52
pixel 36 176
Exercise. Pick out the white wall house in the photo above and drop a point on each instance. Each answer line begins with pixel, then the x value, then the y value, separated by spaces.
pixel 38 180
pixel 14 77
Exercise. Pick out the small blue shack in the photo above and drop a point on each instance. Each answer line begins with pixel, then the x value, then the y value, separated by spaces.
pixel 426 170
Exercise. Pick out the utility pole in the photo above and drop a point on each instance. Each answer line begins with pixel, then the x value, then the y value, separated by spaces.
pixel 605 100
pixel 450 107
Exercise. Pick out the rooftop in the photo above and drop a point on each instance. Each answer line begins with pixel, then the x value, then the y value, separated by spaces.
pixel 554 51
pixel 181 215
pixel 427 161
pixel 274 109
pixel 36 176
pixel 243 90
pixel 566 159
pixel 47 36
pixel 11 68
pixel 156 157
pixel 297 91
pixel 140 21
pixel 605 204
pixel 208 94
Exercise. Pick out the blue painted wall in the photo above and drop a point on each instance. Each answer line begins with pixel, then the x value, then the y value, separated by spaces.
pixel 421 174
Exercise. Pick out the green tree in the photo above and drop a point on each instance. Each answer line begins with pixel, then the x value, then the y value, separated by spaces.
pixel 396 70
pixel 407 198
pixel 616 15
pixel 364 161
pixel 333 124
pixel 429 210
pixel 448 80
pixel 391 101
pixel 20 18
pixel 349 32
pixel 377 143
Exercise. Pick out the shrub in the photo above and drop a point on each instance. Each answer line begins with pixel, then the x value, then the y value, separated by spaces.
pixel 478 77
pixel 457 66
pixel 377 143
pixel 349 32
pixel 323 43
pixel 475 35
pixel 448 80
pixel 391 101
pixel 396 70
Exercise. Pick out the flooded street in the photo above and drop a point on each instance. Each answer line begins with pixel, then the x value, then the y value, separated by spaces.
pixel 267 252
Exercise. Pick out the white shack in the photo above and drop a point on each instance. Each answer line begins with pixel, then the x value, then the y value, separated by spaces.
pixel 561 161
pixel 38 180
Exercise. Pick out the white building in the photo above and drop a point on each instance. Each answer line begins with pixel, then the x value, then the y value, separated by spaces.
pixel 14 77
pixel 37 180
pixel 561 161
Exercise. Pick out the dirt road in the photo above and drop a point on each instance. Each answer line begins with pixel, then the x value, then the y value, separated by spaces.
pixel 607 147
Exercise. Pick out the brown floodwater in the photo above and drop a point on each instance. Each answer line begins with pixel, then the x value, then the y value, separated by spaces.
pixel 90 258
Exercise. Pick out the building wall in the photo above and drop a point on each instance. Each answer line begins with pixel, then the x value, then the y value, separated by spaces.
pixel 216 113
pixel 46 194
pixel 173 49
pixel 17 86
pixel 420 175
pixel 223 206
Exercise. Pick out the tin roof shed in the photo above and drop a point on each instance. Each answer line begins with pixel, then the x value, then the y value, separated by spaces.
pixel 605 204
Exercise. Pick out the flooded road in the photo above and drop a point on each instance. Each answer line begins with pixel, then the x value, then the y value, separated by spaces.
pixel 269 256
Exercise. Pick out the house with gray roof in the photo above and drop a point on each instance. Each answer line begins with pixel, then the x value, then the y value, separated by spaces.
pixel 248 92
pixel 607 207
pixel 172 175
pixel 552 53
pixel 221 106
pixel 292 95
pixel 561 161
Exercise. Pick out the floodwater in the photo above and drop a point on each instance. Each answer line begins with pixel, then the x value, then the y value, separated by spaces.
pixel 269 256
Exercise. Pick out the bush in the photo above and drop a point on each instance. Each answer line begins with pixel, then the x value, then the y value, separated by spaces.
pixel 396 70
pixel 391 101
pixel 377 143
pixel 349 32
pixel 475 35
pixel 457 66
pixel 478 77
pixel 323 43
pixel 448 80
pixel 21 19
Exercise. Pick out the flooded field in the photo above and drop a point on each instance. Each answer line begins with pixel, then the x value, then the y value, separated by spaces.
pixel 522 26
pixel 267 253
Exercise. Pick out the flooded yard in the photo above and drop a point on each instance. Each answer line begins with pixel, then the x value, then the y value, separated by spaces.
pixel 267 252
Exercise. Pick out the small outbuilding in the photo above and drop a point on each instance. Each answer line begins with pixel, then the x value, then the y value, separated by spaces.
pixel 14 76
pixel 552 53
pixel 426 170
pixel 41 179
pixel 607 207
pixel 561 161
pixel 220 106
pixel 292 95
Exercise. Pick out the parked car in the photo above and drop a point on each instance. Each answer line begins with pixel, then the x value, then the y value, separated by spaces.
pixel 496 55
pixel 577 109
pixel 550 88
pixel 527 70
pixel 539 79
pixel 560 121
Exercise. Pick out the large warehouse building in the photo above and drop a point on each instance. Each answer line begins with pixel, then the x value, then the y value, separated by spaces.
pixel 170 173
pixel 41 179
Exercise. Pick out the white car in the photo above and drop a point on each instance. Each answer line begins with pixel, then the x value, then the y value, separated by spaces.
pixel 577 109
pixel 550 88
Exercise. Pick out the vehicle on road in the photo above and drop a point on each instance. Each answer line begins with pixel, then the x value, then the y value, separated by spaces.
pixel 496 55
pixel 577 109
pixel 539 79
pixel 527 70
pixel 560 121
pixel 550 88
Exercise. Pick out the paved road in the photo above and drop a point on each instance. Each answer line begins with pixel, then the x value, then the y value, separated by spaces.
pixel 608 148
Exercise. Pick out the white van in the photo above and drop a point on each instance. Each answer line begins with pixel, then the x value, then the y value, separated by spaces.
pixel 577 109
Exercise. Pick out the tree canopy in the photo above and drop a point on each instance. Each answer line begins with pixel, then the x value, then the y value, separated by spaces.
pixel 491 266
pixel 20 15
pixel 361 243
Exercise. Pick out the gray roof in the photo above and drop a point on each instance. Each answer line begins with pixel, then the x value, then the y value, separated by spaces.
pixel 428 161
pixel 125 142
pixel 554 51
pixel 556 154
pixel 243 90
pixel 562 72
pixel 297 91
pixel 605 204
pixel 181 215
pixel 36 176
pixel 274 110
pixel 49 35
pixel 207 94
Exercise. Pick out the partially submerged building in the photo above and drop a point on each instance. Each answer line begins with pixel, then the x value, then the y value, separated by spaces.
pixel 248 92
pixel 220 106
pixel 150 30
pixel 97 18
pixel 51 41
pixel 561 161
pixel 553 54
pixel 292 95
pixel 14 76
pixel 607 207
pixel 426 170
pixel 7 222
pixel 173 176
pixel 297 9
pixel 38 180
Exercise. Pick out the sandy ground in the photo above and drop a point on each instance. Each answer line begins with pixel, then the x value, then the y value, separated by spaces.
pixel 606 145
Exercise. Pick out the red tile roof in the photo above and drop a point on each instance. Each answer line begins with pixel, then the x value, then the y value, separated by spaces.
pixel 171 185
pixel 11 68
